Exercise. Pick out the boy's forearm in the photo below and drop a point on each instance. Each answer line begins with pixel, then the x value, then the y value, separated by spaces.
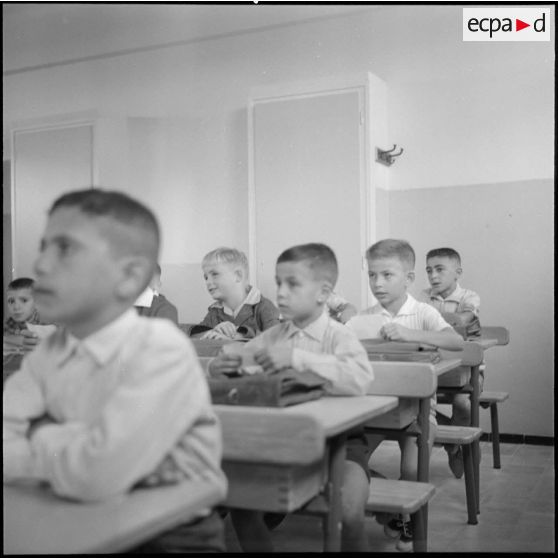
pixel 446 339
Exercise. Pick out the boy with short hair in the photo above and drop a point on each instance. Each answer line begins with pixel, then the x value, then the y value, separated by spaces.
pixel 153 304
pixel 460 308
pixel 23 329
pixel 111 400
pixel 22 313
pixel 391 264
pixel 240 311
pixel 309 339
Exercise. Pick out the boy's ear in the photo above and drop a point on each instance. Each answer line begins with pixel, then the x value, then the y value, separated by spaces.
pixel 239 274
pixel 458 271
pixel 135 272
pixel 410 276
pixel 325 292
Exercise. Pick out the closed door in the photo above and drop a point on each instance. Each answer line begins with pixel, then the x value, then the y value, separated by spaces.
pixel 309 183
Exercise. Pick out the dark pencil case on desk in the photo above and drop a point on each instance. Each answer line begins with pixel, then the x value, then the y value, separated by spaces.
pixel 279 389
pixel 379 349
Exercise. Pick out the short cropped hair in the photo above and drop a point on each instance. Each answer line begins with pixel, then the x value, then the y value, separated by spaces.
pixel 122 209
pixel 444 253
pixel 319 258
pixel 393 248
pixel 21 283
pixel 229 256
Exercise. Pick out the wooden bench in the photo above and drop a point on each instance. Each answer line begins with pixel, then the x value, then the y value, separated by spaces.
pixel 414 383
pixel 463 436
pixel 490 400
pixel 402 497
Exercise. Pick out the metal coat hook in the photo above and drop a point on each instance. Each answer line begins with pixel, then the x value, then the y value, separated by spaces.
pixel 387 157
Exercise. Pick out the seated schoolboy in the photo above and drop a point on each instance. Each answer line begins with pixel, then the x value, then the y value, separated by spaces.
pixel 23 329
pixel 460 308
pixel 309 339
pixel 391 264
pixel 111 400
pixel 240 311
pixel 153 304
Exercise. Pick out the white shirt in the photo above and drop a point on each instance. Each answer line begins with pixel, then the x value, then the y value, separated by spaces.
pixel 123 399
pixel 325 347
pixel 413 314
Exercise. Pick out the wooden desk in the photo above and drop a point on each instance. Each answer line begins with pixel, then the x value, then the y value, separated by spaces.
pixel 472 357
pixel 414 383
pixel 38 522
pixel 278 459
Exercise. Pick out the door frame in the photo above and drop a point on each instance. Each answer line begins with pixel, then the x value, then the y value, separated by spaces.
pixel 372 97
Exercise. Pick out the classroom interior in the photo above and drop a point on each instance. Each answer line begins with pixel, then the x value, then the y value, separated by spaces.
pixel 180 105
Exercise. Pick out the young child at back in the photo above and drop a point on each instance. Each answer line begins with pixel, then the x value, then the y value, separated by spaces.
pixel 309 339
pixel 240 310
pixel 110 400
pixel 460 308
pixel 153 304
pixel 391 264
pixel 23 329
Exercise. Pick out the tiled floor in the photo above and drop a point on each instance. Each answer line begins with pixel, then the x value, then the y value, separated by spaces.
pixel 517 506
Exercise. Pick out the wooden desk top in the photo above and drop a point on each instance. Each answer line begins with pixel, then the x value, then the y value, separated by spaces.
pixel 332 414
pixel 38 522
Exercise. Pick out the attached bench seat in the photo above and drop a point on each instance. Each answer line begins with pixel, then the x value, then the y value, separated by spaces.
pixel 402 497
pixel 490 400
pixel 463 436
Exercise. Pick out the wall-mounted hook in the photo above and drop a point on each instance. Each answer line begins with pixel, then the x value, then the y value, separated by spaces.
pixel 386 157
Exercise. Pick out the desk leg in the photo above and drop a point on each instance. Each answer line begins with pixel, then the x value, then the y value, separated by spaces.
pixel 423 474
pixel 475 372
pixel 332 521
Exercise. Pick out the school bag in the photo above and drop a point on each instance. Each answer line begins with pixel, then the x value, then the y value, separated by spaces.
pixel 380 349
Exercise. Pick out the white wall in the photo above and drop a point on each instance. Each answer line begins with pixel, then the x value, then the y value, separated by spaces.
pixel 466 114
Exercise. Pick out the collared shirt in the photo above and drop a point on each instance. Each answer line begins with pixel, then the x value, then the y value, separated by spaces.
pixel 256 314
pixel 122 400
pixel 413 314
pixel 460 300
pixel 325 347
pixel 252 298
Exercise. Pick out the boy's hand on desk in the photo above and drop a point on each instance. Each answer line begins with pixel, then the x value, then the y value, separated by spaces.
pixel 30 340
pixel 225 364
pixel 275 358
pixel 396 332
pixel 228 329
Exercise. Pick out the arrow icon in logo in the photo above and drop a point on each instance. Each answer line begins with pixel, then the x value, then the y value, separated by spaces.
pixel 519 25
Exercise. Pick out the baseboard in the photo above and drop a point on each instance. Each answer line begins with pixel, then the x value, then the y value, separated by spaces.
pixel 520 439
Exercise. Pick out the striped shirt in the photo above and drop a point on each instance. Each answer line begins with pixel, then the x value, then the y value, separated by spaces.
pixel 325 347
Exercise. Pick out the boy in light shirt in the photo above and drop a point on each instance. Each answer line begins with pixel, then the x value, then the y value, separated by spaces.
pixel 111 400
pixel 460 307
pixel 309 339
pixel 391 264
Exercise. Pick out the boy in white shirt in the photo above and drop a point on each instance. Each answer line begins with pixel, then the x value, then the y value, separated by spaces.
pixel 111 400
pixel 391 264
pixel 309 339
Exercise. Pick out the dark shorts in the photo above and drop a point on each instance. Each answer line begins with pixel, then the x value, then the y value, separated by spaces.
pixel 357 450
pixel 206 534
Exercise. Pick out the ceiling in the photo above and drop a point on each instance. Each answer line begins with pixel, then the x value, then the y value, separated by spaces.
pixel 44 34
